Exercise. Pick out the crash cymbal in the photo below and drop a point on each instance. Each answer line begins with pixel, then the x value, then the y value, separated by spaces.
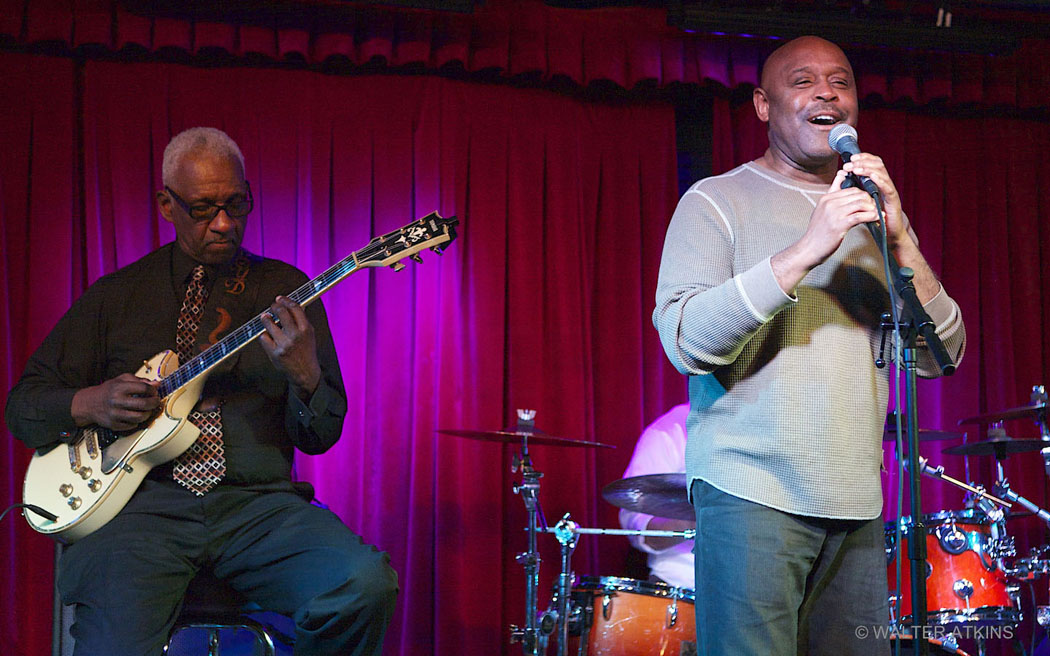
pixel 662 495
pixel 1030 411
pixel 999 447
pixel 925 435
pixel 515 437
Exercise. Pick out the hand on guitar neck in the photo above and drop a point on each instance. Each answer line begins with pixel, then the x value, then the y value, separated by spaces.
pixel 289 342
pixel 120 403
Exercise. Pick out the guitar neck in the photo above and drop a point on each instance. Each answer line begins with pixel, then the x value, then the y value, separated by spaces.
pixel 431 231
pixel 247 333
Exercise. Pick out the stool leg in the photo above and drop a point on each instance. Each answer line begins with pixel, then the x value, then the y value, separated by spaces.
pixel 213 642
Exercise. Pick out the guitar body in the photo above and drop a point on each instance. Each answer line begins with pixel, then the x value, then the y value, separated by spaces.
pixel 87 484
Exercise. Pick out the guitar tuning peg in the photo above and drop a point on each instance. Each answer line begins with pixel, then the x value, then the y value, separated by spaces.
pixel 437 249
pixel 416 257
pixel 397 266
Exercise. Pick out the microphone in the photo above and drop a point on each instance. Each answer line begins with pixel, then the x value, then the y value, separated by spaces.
pixel 843 140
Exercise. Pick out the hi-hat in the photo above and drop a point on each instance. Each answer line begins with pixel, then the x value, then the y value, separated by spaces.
pixel 662 495
pixel 516 437
pixel 1035 411
pixel 999 447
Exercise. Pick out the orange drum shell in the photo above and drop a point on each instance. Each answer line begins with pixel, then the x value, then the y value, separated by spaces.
pixel 989 588
pixel 637 625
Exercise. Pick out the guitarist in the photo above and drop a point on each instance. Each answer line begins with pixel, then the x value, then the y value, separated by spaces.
pixel 227 504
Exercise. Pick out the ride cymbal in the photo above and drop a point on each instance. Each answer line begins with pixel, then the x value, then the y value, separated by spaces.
pixel 1034 411
pixel 998 446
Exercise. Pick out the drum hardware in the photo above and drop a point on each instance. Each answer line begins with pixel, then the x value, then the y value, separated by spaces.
pixel 571 615
pixel 966 584
pixel 566 533
pixel 977 491
pixel 1042 616
pixel 531 637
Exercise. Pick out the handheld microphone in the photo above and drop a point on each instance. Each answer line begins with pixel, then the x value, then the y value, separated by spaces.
pixel 843 140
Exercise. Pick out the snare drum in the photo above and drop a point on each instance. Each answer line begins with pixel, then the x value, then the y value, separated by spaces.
pixel 963 583
pixel 634 618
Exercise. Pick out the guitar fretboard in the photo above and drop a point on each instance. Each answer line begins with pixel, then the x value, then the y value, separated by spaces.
pixel 242 336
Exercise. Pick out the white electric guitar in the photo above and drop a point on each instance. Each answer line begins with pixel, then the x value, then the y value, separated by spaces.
pixel 85 484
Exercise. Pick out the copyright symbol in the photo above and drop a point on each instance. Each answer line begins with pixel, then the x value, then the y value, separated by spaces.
pixel 861 632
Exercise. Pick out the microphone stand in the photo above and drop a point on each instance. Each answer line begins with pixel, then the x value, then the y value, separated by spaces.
pixel 918 324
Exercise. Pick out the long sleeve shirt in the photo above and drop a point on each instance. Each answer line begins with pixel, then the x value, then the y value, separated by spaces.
pixel 661 450
pixel 129 316
pixel 786 406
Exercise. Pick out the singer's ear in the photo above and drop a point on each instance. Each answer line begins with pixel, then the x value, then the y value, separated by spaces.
pixel 758 96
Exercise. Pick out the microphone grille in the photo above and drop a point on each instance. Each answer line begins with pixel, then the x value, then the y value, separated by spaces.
pixel 838 132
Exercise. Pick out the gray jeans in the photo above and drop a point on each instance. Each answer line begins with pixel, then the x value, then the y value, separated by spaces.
pixel 770 583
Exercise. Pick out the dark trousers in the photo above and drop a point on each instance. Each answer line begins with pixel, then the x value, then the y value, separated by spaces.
pixel 773 583
pixel 127 579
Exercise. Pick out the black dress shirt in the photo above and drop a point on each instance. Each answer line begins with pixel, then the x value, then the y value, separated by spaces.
pixel 129 316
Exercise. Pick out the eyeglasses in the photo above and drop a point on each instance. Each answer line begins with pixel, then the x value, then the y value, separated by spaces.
pixel 235 207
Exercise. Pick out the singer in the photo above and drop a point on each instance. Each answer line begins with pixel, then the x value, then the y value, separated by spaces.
pixel 769 299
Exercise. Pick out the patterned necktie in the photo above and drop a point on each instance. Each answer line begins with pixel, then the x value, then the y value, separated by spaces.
pixel 202 465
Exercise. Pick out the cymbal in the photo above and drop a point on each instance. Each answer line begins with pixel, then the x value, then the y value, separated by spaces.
pixel 662 495
pixel 925 435
pixel 1030 411
pixel 515 437
pixel 999 447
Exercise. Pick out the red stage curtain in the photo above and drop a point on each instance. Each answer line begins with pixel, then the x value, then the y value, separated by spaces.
pixel 543 302
pixel 628 46
pixel 977 191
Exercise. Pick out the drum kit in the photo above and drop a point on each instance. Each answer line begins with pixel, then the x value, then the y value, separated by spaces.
pixel 973 576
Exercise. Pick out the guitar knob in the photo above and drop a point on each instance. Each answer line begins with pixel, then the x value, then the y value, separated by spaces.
pixel 74 503
pixel 85 472
pixel 94 485
pixel 65 489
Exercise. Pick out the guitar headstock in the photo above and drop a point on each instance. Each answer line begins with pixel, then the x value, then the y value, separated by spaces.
pixel 432 231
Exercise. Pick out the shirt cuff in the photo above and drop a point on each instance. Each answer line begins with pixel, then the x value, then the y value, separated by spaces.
pixel 319 403
pixel 761 292
pixel 941 308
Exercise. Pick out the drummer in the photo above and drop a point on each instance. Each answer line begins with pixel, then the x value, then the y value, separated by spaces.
pixel 661 450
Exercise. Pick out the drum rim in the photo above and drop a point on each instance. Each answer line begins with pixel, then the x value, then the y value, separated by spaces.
pixel 897 635
pixel 995 615
pixel 965 516
pixel 624 584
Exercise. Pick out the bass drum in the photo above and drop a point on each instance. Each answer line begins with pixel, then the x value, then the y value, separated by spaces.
pixel 936 647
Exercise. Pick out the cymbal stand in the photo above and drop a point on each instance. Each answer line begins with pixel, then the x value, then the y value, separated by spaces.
pixel 533 641
pixel 566 533
pixel 1039 396
pixel 1002 487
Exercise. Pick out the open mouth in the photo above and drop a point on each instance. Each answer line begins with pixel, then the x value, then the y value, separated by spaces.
pixel 824 119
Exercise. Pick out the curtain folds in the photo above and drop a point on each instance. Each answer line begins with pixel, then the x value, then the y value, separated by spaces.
pixel 542 302
pixel 628 46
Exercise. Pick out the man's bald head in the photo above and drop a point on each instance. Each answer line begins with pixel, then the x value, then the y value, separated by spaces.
pixel 786 55
pixel 807 88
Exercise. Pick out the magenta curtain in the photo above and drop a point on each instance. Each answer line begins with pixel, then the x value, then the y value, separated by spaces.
pixel 543 302
pixel 977 191
pixel 628 46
